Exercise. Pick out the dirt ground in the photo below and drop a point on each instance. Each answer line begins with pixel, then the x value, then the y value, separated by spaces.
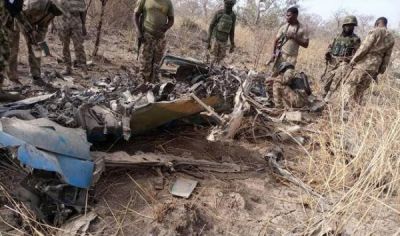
pixel 254 202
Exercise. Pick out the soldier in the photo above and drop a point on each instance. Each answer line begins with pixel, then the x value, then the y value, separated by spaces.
pixel 222 28
pixel 33 22
pixel 4 55
pixel 370 60
pixel 290 89
pixel 339 55
pixel 71 26
pixel 290 37
pixel 152 20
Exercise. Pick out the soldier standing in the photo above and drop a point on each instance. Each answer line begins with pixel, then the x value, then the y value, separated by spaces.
pixel 286 92
pixel 4 54
pixel 33 21
pixel 339 54
pixel 370 60
pixel 222 29
pixel 290 37
pixel 152 20
pixel 72 26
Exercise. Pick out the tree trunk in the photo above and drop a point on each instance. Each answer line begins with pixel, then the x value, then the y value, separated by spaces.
pixel 99 27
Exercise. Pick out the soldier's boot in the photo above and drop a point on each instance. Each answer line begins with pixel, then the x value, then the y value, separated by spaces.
pixel 84 73
pixel 38 81
pixel 8 97
pixel 67 71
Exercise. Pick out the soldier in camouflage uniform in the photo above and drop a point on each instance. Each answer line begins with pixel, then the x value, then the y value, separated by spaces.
pixel 339 55
pixel 152 20
pixel 71 26
pixel 36 17
pixel 222 29
pixel 370 60
pixel 4 47
pixel 4 54
pixel 285 92
pixel 290 37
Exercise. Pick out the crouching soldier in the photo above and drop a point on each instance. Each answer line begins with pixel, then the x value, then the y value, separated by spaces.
pixel 152 19
pixel 222 29
pixel 290 89
pixel 339 54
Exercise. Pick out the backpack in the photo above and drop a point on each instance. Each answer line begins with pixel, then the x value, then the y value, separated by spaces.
pixel 224 27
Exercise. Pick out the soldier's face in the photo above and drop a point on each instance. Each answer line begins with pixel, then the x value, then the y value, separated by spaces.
pixel 290 17
pixel 228 7
pixel 348 29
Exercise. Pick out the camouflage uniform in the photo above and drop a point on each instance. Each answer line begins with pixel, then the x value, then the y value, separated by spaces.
pixel 341 51
pixel 371 59
pixel 155 15
pixel 70 27
pixel 290 48
pixel 36 16
pixel 222 28
pixel 4 46
pixel 284 95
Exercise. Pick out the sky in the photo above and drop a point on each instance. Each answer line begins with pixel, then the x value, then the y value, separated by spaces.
pixel 377 8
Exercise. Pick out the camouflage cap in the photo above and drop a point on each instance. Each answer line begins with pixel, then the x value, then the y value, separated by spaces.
pixel 284 66
pixel 350 20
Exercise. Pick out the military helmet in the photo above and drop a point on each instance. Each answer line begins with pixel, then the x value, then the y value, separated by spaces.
pixel 230 2
pixel 350 20
pixel 284 66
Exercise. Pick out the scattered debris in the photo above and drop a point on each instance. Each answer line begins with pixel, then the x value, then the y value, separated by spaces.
pixel 183 187
pixel 78 225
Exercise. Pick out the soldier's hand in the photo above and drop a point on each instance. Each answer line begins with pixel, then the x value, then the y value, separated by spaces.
pixel 328 56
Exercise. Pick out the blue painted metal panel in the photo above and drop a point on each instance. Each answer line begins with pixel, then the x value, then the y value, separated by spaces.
pixel 75 172
pixel 49 136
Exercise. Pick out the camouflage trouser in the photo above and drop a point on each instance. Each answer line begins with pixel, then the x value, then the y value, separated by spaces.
pixel 357 83
pixel 151 54
pixel 218 51
pixel 334 76
pixel 282 58
pixel 286 97
pixel 70 28
pixel 4 53
pixel 34 60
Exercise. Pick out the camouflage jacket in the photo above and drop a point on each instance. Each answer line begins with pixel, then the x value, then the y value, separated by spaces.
pixel 344 47
pixel 375 51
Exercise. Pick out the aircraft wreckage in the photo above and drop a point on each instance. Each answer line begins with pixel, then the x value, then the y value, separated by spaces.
pixel 50 136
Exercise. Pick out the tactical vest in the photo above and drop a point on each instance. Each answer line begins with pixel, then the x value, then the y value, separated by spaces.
pixel 224 27
pixel 344 46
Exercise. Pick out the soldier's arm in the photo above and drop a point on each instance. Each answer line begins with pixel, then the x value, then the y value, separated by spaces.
pixel 287 77
pixel 386 60
pixel 138 18
pixel 212 26
pixel 301 39
pixel 232 33
pixel 171 18
pixel 364 48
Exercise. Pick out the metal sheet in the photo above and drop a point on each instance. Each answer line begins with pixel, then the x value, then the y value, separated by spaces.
pixel 47 135
pixel 73 171
pixel 156 114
